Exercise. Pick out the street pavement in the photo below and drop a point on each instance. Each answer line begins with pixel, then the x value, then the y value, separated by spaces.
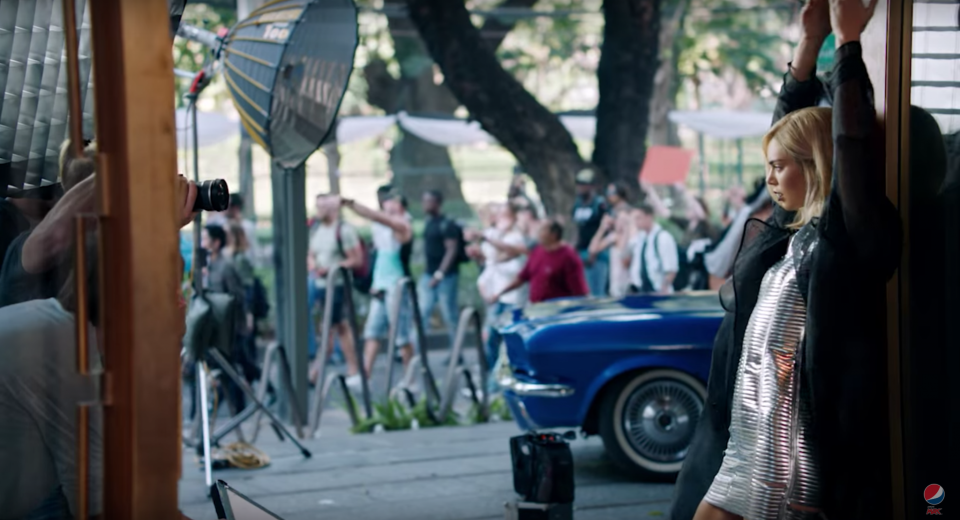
pixel 450 473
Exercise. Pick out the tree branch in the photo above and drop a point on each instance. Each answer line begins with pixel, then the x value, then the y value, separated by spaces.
pixel 494 30
pixel 497 100
pixel 628 65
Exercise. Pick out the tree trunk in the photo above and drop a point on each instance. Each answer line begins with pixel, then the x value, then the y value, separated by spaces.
pixel 628 64
pixel 498 101
pixel 418 164
pixel 663 132
pixel 332 152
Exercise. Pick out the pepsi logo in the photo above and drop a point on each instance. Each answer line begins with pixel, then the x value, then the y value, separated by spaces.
pixel 933 494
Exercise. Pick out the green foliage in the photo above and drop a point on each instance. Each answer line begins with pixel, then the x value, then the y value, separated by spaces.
pixel 191 56
pixel 720 36
pixel 499 408
pixel 393 415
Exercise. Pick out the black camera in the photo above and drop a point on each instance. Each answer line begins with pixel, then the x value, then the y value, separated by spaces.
pixel 542 468
pixel 212 196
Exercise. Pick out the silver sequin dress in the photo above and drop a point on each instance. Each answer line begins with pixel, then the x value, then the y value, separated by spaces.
pixel 768 466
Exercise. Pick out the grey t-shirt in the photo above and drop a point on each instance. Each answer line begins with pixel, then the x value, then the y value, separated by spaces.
pixel 17 285
pixel 39 393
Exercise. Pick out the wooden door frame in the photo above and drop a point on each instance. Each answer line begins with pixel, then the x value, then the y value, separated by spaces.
pixel 136 169
pixel 887 54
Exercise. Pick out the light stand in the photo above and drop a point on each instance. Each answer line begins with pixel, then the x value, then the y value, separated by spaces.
pixel 201 80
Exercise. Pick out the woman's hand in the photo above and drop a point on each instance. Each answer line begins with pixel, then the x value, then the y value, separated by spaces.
pixel 815 26
pixel 815 21
pixel 849 18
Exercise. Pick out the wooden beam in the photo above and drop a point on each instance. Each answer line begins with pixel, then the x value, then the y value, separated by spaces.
pixel 886 44
pixel 142 325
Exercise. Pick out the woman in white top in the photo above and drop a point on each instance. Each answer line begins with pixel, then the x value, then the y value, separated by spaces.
pixel 504 252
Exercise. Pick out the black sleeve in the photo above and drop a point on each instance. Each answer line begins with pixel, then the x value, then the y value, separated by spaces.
pixel 795 95
pixel 451 230
pixel 17 285
pixel 858 216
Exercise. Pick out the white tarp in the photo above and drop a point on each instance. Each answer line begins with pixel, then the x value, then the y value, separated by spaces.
pixel 724 124
pixel 445 132
pixel 212 128
pixel 356 128
pixel 721 124
pixel 580 127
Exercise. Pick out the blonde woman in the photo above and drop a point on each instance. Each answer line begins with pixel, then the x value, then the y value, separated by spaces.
pixel 795 426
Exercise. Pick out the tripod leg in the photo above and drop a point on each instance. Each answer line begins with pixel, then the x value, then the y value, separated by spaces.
pixel 287 382
pixel 233 375
pixel 264 384
pixel 202 383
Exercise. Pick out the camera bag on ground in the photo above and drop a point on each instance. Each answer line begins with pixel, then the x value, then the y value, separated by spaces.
pixel 542 468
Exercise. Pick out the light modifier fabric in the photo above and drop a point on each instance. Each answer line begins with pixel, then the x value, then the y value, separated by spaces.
pixel 287 68
pixel 33 78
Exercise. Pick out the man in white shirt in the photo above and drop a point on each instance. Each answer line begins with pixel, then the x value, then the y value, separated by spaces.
pixel 335 243
pixel 652 256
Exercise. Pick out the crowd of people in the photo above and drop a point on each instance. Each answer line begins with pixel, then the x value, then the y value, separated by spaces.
pixel 614 243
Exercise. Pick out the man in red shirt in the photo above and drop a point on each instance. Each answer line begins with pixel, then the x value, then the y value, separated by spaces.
pixel 554 269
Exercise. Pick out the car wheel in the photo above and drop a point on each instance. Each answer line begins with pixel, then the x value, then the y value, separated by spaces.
pixel 647 421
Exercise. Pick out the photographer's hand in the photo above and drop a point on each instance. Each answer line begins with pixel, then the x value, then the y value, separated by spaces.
pixel 186 197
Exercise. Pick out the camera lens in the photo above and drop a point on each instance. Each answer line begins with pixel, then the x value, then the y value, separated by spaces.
pixel 212 196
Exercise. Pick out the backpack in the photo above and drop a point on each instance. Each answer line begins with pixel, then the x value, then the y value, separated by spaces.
pixel 259 303
pixel 682 280
pixel 462 256
pixel 363 274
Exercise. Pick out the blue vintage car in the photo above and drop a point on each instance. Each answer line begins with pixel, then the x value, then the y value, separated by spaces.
pixel 633 370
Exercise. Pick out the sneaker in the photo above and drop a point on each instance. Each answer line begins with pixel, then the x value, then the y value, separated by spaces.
pixel 354 382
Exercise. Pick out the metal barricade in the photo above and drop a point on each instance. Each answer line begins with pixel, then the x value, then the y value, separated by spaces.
pixel 405 287
pixel 469 316
pixel 322 388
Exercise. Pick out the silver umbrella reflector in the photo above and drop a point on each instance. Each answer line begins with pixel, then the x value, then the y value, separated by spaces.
pixel 287 68
pixel 33 78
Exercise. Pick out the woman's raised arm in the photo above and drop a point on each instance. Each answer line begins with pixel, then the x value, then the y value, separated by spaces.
pixel 801 88
pixel 858 212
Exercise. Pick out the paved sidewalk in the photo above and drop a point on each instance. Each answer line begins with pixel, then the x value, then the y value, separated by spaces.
pixel 455 473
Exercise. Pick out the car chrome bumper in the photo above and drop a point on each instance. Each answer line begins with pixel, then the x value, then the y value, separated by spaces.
pixel 522 388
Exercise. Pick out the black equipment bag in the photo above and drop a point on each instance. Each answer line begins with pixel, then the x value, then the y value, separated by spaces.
pixel 542 468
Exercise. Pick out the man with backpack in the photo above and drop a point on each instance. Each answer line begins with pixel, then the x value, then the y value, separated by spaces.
pixel 332 243
pixel 444 250
pixel 588 211
pixel 653 256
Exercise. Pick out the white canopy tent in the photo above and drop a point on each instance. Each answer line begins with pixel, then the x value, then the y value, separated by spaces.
pixel 724 124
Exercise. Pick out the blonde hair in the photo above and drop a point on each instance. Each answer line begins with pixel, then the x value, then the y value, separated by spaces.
pixel 807 136
pixel 75 169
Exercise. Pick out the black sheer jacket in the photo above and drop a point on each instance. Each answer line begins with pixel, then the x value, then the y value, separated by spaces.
pixel 843 358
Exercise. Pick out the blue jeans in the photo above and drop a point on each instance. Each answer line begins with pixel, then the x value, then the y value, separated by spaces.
pixel 495 313
pixel 317 296
pixel 444 295
pixel 597 275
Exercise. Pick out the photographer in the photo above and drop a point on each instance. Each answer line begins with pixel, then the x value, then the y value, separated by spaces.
pixel 40 390
pixel 32 266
